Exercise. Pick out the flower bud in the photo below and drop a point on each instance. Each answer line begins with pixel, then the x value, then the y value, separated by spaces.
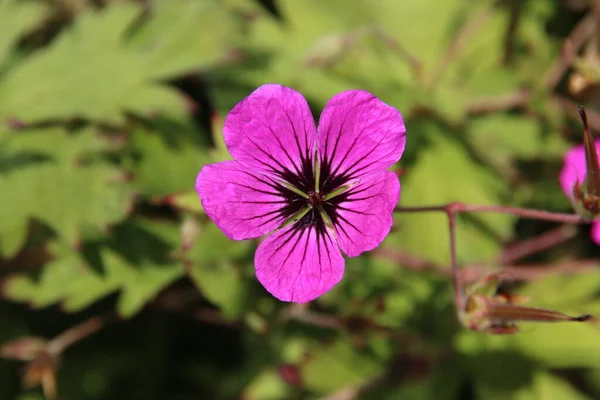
pixel 499 313
pixel 586 194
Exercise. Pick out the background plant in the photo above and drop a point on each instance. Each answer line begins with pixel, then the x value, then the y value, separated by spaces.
pixel 117 284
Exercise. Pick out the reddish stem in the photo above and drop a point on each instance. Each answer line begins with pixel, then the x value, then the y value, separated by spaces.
pixel 459 296
pixel 536 244
pixel 72 335
pixel 451 209
pixel 517 211
pixel 474 272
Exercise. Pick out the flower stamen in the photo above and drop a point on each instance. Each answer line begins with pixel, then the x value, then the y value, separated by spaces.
pixel 296 217
pixel 325 217
pixel 336 192
pixel 294 189
pixel 317 168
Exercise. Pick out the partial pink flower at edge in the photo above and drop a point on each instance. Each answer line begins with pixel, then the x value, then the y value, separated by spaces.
pixel 274 141
pixel 595 232
pixel 574 171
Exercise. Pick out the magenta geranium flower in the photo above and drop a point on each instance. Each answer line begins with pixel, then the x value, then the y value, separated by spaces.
pixel 316 192
pixel 572 178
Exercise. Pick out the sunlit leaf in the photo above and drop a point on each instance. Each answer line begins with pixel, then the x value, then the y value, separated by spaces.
pixel 213 269
pixel 167 159
pixel 268 385
pixel 112 73
pixel 16 18
pixel 336 366
pixel 48 175
pixel 76 282
pixel 445 173
pixel 543 386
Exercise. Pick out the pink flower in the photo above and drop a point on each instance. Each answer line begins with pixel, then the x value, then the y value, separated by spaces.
pixel 572 176
pixel 316 192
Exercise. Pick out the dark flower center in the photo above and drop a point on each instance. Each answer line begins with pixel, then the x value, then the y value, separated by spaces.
pixel 313 205
pixel 315 199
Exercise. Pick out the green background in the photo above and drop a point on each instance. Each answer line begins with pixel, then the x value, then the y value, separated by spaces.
pixel 108 109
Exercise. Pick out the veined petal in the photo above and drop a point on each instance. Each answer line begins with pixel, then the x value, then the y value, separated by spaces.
pixel 363 217
pixel 271 130
pixel 299 264
pixel 574 168
pixel 360 134
pixel 242 203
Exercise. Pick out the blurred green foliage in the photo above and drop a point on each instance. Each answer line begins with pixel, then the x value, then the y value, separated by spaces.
pixel 108 109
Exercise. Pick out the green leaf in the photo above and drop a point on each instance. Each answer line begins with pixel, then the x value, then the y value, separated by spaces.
pixel 141 287
pixel 446 173
pixel 166 159
pixel 403 292
pixel 500 137
pixel 110 73
pixel 187 201
pixel 216 273
pixel 223 286
pixel 323 48
pixel 508 367
pixel 550 387
pixel 472 67
pixel 75 281
pixel 48 175
pixel 544 386
pixel 13 234
pixel 268 385
pixel 576 291
pixel 205 31
pixel 336 366
pixel 68 278
pixel 404 20
pixel 17 18
pixel 553 345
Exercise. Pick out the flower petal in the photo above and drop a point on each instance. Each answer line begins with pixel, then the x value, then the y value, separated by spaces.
pixel 299 264
pixel 364 216
pixel 242 203
pixel 574 168
pixel 271 130
pixel 595 232
pixel 360 134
